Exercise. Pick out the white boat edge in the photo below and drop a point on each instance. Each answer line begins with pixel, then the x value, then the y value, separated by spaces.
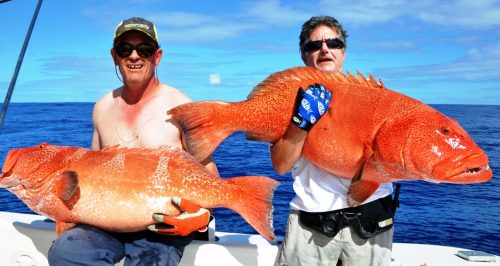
pixel 26 238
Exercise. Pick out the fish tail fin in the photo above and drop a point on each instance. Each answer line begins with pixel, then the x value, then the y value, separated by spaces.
pixel 204 124
pixel 255 202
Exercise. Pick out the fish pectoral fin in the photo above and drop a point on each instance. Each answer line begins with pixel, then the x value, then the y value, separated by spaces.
pixel 359 191
pixel 66 185
pixel 62 227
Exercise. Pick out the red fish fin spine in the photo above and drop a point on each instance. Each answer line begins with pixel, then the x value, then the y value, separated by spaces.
pixel 62 227
pixel 66 185
pixel 255 199
pixel 203 126
pixel 359 191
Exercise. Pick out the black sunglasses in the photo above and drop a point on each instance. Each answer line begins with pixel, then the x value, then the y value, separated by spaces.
pixel 144 50
pixel 313 46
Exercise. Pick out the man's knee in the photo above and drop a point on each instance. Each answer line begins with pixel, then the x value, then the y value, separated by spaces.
pixel 85 246
pixel 60 248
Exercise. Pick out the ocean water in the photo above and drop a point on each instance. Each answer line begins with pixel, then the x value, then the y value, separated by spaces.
pixel 466 216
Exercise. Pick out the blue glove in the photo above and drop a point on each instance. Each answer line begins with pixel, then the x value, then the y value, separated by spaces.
pixel 310 106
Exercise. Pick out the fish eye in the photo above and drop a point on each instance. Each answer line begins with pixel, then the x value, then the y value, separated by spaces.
pixel 42 145
pixel 445 130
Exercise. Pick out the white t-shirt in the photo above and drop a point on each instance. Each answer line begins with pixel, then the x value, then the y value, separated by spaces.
pixel 319 191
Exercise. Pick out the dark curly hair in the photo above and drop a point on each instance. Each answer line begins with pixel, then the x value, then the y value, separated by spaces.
pixel 315 22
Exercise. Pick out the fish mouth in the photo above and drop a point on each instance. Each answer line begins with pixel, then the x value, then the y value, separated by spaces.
pixel 470 169
pixel 7 181
pixel 2 175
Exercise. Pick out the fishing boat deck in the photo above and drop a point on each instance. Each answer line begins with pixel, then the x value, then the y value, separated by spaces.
pixel 25 240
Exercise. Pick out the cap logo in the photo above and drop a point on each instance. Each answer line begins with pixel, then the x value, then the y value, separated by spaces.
pixel 135 26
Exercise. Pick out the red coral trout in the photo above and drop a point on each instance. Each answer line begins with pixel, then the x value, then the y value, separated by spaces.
pixel 370 134
pixel 118 189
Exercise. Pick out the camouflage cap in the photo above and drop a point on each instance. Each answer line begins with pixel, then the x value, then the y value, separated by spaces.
pixel 137 24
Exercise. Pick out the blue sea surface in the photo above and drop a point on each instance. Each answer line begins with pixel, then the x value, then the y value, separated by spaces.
pixel 466 216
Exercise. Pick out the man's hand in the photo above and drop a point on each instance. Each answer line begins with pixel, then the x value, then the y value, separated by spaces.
pixel 310 106
pixel 192 218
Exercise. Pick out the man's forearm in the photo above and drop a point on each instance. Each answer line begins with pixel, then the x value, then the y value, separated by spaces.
pixel 286 151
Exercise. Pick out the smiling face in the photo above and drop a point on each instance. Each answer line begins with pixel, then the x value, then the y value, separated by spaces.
pixel 325 59
pixel 136 70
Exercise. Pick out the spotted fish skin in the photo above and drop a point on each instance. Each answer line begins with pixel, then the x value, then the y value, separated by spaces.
pixel 369 134
pixel 118 189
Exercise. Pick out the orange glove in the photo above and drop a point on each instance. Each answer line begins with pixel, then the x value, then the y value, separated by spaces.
pixel 192 218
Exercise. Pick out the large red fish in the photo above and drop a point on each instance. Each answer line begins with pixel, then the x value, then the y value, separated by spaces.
pixel 370 134
pixel 118 189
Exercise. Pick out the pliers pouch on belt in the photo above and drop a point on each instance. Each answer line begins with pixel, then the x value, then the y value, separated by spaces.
pixel 367 220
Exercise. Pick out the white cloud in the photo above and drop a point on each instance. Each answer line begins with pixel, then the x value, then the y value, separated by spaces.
pixel 182 19
pixel 480 13
pixel 272 12
pixel 463 13
pixel 182 27
pixel 480 64
pixel 208 32
pixel 192 27
pixel 391 46
pixel 363 12
pixel 214 79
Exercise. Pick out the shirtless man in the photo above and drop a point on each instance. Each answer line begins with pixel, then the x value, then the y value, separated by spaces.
pixel 134 115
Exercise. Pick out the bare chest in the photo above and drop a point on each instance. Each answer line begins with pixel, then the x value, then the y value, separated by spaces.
pixel 148 129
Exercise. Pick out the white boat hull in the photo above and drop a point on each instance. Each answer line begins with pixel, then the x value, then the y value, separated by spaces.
pixel 25 240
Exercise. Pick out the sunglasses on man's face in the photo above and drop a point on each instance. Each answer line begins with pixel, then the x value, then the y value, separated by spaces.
pixel 144 50
pixel 313 46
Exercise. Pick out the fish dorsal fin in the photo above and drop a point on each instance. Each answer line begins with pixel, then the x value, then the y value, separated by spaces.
pixel 297 74
pixel 369 82
pixel 374 82
pixel 66 185
pixel 353 79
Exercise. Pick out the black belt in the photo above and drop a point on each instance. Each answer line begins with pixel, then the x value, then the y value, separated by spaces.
pixel 367 220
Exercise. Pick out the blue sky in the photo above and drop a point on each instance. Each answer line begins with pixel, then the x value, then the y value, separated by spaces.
pixel 434 51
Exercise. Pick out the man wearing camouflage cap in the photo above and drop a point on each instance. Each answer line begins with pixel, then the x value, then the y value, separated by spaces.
pixel 134 115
